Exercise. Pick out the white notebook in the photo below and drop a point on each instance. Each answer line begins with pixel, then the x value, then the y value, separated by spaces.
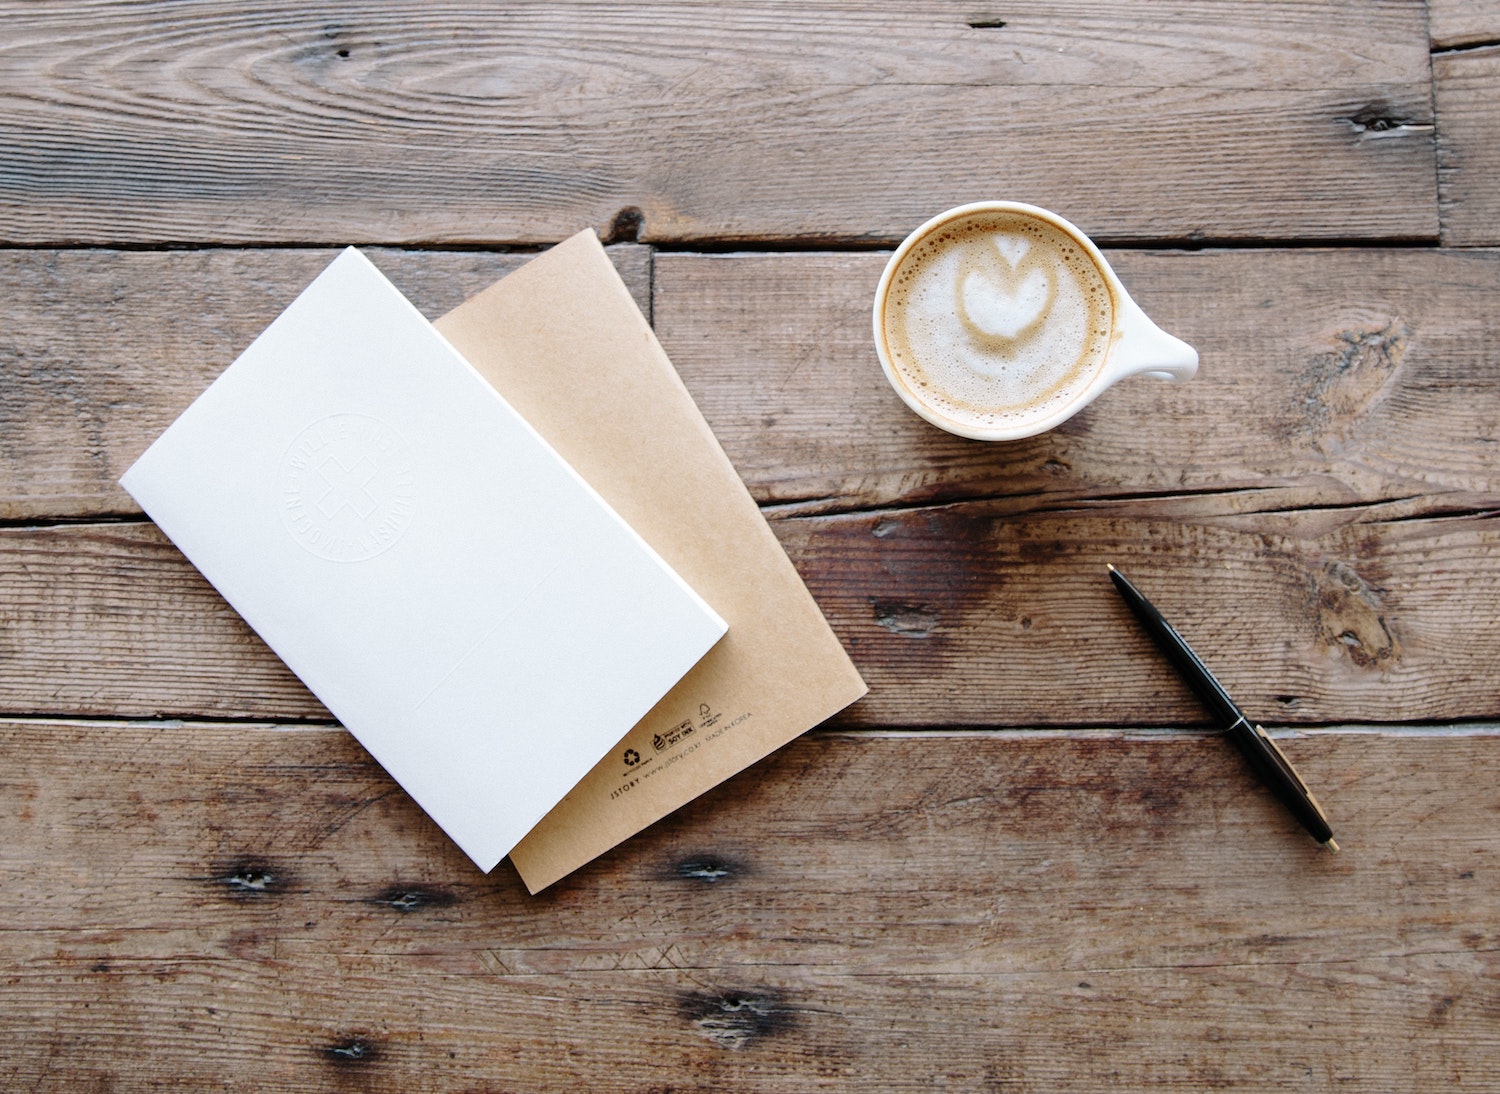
pixel 461 600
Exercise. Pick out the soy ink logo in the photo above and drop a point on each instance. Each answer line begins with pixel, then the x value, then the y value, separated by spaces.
pixel 666 739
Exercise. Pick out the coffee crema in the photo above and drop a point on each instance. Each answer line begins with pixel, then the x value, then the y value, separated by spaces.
pixel 997 318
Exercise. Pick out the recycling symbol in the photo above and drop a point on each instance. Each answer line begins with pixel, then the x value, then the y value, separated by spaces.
pixel 632 757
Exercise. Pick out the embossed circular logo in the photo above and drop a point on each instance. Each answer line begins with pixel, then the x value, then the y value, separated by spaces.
pixel 347 487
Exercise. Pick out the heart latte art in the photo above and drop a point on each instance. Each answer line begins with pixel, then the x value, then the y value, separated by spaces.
pixel 997 318
pixel 1002 306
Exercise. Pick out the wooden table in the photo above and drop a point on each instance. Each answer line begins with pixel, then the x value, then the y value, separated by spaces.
pixel 1022 863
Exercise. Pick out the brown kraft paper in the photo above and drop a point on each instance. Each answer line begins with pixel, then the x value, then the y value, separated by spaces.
pixel 563 341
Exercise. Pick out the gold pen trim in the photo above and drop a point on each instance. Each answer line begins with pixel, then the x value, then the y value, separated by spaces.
pixel 1286 765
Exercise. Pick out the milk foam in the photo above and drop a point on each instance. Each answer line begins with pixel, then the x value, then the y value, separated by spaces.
pixel 997 319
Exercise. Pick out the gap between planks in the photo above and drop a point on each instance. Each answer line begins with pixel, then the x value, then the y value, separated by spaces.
pixel 1066 733
pixel 757 245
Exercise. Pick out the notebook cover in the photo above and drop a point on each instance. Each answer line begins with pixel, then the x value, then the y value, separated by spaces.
pixel 460 599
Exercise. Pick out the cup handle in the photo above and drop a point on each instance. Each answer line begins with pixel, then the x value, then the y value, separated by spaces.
pixel 1175 374
pixel 1144 349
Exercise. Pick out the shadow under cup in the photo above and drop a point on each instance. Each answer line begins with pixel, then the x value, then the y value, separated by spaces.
pixel 994 321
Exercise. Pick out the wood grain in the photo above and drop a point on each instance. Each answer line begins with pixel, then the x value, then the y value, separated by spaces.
pixel 101 350
pixel 1328 475
pixel 1454 24
pixel 229 894
pixel 1466 90
pixel 462 123
pixel 974 615
pixel 213 906
pixel 1329 377
pixel 966 614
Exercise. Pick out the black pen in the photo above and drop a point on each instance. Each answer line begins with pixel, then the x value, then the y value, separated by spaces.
pixel 1274 769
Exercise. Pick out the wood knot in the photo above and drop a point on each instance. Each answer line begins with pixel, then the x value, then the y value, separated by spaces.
pixel 1351 616
pixel 249 879
pixel 626 226
pixel 408 899
pixel 1339 390
pixel 735 1019
pixel 1380 117
pixel 351 1051
pixel 709 869
pixel 907 620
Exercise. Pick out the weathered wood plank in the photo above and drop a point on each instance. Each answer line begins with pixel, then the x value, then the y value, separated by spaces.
pixel 968 614
pixel 1453 24
pixel 466 122
pixel 222 906
pixel 1329 377
pixel 101 350
pixel 1466 92
pixel 111 619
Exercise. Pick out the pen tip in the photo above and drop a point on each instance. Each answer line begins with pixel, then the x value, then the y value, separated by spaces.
pixel 1110 566
pixel 1331 845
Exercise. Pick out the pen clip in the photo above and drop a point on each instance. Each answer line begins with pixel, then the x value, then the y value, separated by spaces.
pixel 1279 759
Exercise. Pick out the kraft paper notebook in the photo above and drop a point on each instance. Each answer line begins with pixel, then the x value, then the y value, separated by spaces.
pixel 562 339
pixel 451 590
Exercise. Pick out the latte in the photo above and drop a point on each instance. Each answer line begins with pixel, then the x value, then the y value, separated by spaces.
pixel 994 319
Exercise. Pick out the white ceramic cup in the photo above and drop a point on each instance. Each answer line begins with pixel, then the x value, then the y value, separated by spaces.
pixel 1123 343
